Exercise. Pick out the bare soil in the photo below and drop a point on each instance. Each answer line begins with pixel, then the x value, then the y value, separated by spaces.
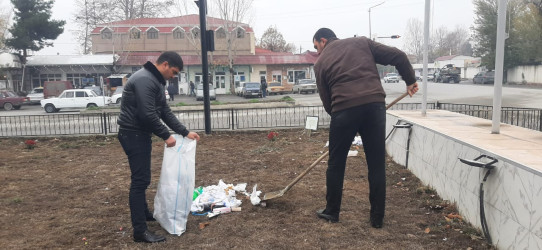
pixel 72 192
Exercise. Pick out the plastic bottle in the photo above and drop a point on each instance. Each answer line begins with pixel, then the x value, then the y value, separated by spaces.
pixel 197 192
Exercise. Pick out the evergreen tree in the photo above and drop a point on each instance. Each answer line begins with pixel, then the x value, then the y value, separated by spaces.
pixel 33 26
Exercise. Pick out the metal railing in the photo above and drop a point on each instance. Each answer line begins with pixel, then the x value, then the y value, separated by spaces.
pixel 235 119
pixel 106 123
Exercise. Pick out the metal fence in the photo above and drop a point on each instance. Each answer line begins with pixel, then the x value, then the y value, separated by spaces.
pixel 106 123
pixel 234 119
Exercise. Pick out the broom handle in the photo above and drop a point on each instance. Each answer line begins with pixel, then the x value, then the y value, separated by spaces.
pixel 306 171
pixel 396 100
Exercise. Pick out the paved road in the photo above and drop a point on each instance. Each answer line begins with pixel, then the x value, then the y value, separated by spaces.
pixel 464 92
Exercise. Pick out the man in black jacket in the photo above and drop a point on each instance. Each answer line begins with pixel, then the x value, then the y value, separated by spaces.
pixel 351 92
pixel 143 107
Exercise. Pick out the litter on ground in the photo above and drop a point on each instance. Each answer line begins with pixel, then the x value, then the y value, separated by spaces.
pixel 220 199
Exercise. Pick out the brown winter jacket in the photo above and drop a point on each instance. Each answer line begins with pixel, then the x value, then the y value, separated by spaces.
pixel 346 73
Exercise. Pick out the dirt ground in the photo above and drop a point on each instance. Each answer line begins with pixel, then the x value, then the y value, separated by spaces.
pixel 72 192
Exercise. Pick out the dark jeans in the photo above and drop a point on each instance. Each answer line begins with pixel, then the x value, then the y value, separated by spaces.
pixel 138 146
pixel 369 121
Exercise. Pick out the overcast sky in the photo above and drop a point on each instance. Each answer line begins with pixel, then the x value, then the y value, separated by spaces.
pixel 297 20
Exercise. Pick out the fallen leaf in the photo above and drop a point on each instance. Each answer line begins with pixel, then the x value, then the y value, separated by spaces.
pixel 204 224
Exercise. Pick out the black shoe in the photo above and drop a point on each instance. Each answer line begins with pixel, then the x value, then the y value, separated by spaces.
pixel 321 214
pixel 150 218
pixel 148 237
pixel 376 221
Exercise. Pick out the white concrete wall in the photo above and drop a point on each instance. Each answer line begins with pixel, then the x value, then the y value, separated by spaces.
pixel 531 74
pixel 513 194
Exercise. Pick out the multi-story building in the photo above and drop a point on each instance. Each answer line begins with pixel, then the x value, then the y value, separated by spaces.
pixel 139 40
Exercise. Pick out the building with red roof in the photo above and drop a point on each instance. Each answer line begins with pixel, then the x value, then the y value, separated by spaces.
pixel 140 40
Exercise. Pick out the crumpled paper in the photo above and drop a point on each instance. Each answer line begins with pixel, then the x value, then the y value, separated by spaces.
pixel 224 194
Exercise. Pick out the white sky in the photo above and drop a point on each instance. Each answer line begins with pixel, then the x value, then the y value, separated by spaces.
pixel 297 20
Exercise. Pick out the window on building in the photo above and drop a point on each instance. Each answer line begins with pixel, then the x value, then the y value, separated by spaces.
pixel 107 34
pixel 135 33
pixel 239 32
pixel 178 33
pixel 295 75
pixel 220 33
pixel 276 77
pixel 152 33
pixel 196 33
pixel 41 78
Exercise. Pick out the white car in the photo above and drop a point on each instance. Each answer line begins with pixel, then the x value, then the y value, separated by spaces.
pixel 117 95
pixel 391 77
pixel 239 88
pixel 305 85
pixel 36 95
pixel 199 92
pixel 75 99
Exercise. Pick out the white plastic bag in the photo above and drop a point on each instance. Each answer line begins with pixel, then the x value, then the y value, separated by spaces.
pixel 176 186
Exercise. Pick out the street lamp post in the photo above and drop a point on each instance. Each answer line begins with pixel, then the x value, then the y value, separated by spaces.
pixel 370 35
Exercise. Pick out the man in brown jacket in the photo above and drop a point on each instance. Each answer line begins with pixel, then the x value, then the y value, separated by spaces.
pixel 351 92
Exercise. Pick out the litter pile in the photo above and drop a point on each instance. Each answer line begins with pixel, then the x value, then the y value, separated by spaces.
pixel 220 199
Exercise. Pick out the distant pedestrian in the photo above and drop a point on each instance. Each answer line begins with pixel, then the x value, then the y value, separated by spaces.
pixel 192 89
pixel 171 90
pixel 263 87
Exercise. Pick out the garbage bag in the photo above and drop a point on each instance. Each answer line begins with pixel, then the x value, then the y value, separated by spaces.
pixel 176 186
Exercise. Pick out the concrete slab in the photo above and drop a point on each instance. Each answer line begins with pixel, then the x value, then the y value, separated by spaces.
pixel 520 145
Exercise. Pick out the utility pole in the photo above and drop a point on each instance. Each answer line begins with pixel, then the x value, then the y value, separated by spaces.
pixel 499 67
pixel 370 34
pixel 202 4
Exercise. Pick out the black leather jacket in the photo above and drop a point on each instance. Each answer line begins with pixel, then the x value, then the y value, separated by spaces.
pixel 144 105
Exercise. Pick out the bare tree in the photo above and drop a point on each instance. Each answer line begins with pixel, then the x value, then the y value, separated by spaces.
pixel 184 7
pixel 273 40
pixel 91 13
pixel 232 12
pixel 413 38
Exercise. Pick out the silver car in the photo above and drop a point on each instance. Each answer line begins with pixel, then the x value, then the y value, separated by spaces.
pixel 36 95
pixel 305 85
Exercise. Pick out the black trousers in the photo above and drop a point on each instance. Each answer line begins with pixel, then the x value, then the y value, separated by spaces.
pixel 369 121
pixel 138 147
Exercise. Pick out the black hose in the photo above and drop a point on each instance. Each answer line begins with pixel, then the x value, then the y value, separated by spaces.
pixel 483 221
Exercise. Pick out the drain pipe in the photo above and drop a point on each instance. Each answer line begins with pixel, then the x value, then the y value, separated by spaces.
pixel 489 166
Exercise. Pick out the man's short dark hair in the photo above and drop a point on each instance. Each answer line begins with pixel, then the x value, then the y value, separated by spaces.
pixel 324 33
pixel 173 59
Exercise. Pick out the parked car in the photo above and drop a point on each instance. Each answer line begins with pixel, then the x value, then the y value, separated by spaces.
pixel 199 92
pixel 75 98
pixel 252 89
pixel 117 95
pixel 484 77
pixel 391 77
pixel 275 88
pixel 35 96
pixel 239 88
pixel 10 100
pixel 305 85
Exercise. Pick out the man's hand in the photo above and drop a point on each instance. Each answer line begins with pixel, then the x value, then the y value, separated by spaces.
pixel 170 142
pixel 412 89
pixel 193 136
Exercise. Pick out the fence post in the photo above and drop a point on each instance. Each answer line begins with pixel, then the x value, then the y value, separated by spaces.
pixel 232 120
pixel 104 122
